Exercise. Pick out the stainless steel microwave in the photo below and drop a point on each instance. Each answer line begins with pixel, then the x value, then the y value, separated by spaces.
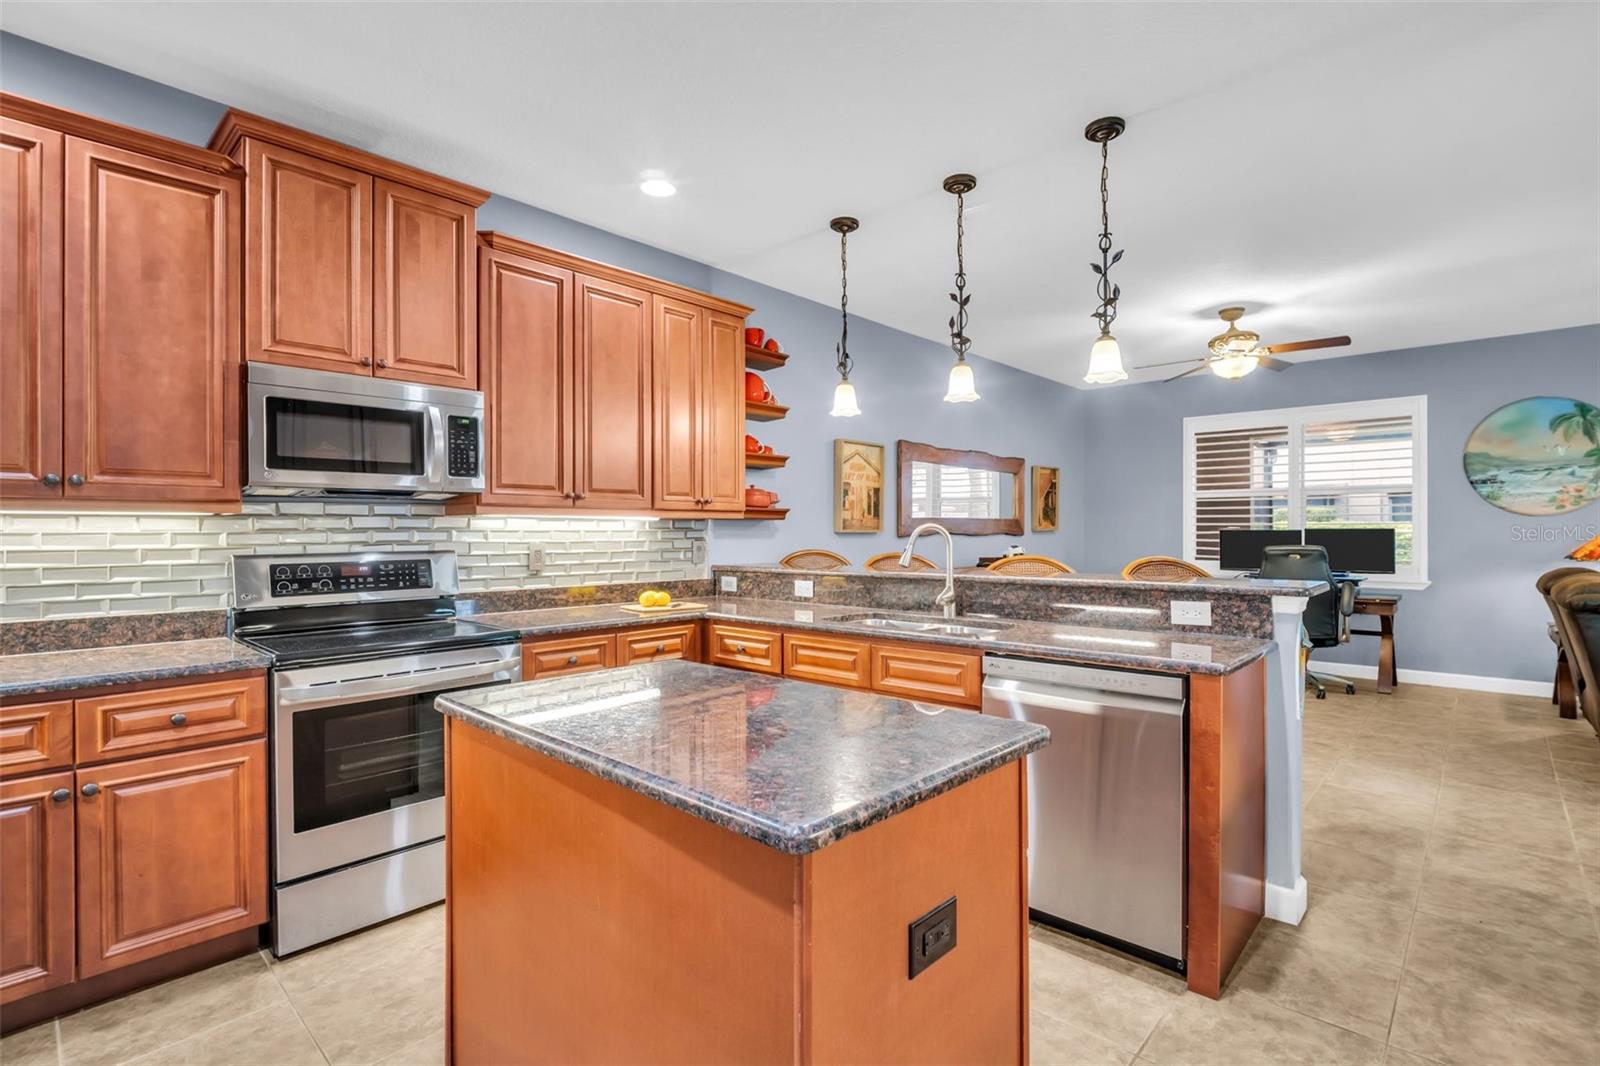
pixel 316 433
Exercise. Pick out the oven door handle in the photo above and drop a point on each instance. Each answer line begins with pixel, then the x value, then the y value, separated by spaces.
pixel 329 694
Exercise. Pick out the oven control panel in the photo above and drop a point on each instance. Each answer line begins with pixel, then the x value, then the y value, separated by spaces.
pixel 324 577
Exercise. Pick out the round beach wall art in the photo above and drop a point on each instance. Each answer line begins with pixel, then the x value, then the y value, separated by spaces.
pixel 1538 456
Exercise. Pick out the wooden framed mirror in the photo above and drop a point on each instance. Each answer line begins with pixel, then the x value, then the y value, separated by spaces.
pixel 968 492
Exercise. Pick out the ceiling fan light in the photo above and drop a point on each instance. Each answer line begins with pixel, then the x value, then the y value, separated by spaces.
pixel 1105 362
pixel 844 400
pixel 1234 367
pixel 963 387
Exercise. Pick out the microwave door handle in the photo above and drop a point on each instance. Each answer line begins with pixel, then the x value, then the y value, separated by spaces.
pixel 436 453
pixel 311 697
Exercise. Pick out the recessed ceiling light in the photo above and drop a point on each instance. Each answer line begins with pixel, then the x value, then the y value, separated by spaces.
pixel 657 186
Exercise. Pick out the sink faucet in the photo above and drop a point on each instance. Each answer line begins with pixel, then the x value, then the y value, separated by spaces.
pixel 946 600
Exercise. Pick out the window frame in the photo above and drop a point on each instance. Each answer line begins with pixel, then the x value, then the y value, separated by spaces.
pixel 1296 419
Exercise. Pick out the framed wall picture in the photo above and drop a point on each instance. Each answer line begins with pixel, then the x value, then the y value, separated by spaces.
pixel 857 486
pixel 1046 499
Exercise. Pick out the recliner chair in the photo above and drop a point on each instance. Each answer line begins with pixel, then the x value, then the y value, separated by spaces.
pixel 1327 616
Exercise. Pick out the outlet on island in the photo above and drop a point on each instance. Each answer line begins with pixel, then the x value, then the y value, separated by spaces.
pixel 933 936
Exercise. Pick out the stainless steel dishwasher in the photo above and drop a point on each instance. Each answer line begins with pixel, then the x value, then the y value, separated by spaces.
pixel 1106 800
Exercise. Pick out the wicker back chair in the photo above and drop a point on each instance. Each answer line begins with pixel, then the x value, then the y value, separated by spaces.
pixel 1029 566
pixel 1161 568
pixel 891 561
pixel 814 559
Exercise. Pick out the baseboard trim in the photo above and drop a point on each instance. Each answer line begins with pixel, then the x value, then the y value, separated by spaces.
pixel 1510 686
pixel 1287 905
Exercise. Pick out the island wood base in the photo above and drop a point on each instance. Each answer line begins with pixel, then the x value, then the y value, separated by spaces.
pixel 590 923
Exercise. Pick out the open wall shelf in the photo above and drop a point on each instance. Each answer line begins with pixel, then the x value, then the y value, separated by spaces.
pixel 764 412
pixel 771 514
pixel 764 461
pixel 761 359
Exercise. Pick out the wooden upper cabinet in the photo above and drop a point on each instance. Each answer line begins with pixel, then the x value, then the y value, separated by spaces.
pixel 424 297
pixel 36 884
pixel 525 339
pixel 722 415
pixel 679 372
pixel 30 310
pixel 141 892
pixel 308 260
pixel 615 404
pixel 150 342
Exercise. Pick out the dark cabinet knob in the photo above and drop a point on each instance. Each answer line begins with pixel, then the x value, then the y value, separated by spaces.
pixel 75 480
pixel 383 362
pixel 572 660
pixel 91 789
pixel 61 795
pixel 660 648
pixel 366 360
pixel 52 480
pixel 179 718
pixel 739 648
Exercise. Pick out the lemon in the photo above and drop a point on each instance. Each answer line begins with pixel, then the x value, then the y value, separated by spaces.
pixel 661 599
pixel 647 598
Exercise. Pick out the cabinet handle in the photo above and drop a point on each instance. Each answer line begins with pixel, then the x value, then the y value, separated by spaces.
pixel 383 362
pixel 51 479
pixel 75 480
pixel 61 795
pixel 179 718
pixel 366 360
pixel 580 495
pixel 660 648
pixel 572 660
pixel 739 649
pixel 91 789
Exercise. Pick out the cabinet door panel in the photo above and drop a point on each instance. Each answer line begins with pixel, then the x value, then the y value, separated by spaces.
pixel 36 919
pixel 922 673
pixel 424 305
pixel 830 660
pixel 151 338
pixel 615 428
pixel 525 345
pixel 679 343
pixel 172 851
pixel 570 655
pixel 308 261
pixel 35 737
pixel 30 309
pixel 722 423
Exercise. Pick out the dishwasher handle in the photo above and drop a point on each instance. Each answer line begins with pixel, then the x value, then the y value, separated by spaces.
pixel 1077 700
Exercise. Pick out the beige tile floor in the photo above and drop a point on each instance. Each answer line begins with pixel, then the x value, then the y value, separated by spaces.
pixel 1452 844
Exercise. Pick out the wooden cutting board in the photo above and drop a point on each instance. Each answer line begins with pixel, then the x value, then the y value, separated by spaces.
pixel 679 605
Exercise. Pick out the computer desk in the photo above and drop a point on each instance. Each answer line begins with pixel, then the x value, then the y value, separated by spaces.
pixel 1383 606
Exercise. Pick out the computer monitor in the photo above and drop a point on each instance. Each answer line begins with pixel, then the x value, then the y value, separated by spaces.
pixel 1240 549
pixel 1368 550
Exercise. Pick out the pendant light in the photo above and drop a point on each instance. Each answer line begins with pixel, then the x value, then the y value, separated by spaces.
pixel 962 389
pixel 844 393
pixel 1105 358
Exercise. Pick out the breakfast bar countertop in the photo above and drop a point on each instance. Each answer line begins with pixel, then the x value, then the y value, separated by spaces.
pixel 45 672
pixel 790 764
pixel 1172 651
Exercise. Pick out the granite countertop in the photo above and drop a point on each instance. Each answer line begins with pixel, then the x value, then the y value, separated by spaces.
pixel 1236 585
pixel 39 673
pixel 1139 649
pixel 793 765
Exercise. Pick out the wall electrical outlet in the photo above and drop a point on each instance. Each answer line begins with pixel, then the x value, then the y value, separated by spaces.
pixel 1191 612
pixel 697 554
pixel 729 583
pixel 535 560
pixel 802 588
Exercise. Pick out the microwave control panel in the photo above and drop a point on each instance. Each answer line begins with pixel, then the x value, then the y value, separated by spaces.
pixel 461 445
pixel 315 578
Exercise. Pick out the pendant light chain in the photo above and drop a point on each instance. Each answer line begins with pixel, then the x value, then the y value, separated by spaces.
pixel 842 349
pixel 1106 313
pixel 959 341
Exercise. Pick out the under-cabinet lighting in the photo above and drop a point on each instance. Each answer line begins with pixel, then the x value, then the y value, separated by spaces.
pixel 1106 608
pixel 1122 641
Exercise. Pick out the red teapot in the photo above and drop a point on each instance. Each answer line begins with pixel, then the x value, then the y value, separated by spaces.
pixel 758 498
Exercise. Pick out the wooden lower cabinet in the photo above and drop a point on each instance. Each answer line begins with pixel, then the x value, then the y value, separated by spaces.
pixel 172 851
pixel 567 655
pixel 155 720
pixel 35 737
pixel 36 884
pixel 916 672
pixel 658 643
pixel 744 647
pixel 830 660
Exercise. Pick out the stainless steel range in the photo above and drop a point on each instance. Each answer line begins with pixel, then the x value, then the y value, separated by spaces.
pixel 361 645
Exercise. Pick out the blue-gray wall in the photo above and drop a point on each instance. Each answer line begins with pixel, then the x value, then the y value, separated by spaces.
pixel 1481 614
pixel 900 378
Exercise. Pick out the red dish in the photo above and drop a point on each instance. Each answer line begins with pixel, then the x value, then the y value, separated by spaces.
pixel 755 390
pixel 753 336
pixel 772 344
pixel 753 446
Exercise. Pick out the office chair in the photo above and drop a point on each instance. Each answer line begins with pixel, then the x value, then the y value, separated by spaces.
pixel 1326 621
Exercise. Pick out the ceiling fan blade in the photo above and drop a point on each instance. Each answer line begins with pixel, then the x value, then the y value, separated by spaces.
pixel 1186 373
pixel 1269 363
pixel 1305 346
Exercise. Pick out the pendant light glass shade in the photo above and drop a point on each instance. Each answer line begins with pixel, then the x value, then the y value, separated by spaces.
pixel 1105 362
pixel 1234 366
pixel 844 400
pixel 963 388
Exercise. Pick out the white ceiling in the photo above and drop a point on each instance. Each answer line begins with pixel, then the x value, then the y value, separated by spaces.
pixel 1405 173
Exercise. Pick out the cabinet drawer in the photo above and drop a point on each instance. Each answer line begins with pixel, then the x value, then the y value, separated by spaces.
pixel 915 672
pixel 570 655
pixel 155 720
pixel 746 648
pixel 663 642
pixel 830 660
pixel 35 736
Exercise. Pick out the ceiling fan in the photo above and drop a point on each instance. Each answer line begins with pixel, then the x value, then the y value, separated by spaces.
pixel 1235 352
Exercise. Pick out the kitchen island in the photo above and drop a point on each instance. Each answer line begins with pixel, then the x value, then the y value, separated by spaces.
pixel 682 863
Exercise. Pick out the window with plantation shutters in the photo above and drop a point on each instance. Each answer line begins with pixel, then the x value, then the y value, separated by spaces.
pixel 1325 467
